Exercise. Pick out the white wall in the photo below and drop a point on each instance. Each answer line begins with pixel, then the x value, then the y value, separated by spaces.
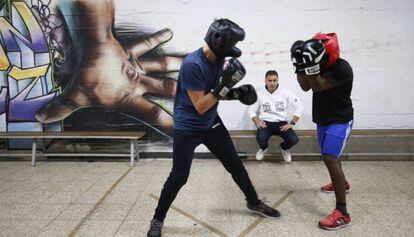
pixel 375 36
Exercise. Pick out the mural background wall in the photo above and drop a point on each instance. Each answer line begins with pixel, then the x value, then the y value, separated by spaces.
pixel 113 65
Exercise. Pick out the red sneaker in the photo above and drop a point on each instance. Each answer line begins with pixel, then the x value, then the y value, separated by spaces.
pixel 335 221
pixel 330 189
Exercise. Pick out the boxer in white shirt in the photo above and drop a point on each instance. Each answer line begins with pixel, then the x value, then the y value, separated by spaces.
pixel 270 116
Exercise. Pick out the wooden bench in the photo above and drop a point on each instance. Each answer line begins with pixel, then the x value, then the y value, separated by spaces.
pixel 355 132
pixel 133 137
pixel 363 144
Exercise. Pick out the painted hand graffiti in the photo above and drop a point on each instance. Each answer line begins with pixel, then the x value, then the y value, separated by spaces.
pixel 109 75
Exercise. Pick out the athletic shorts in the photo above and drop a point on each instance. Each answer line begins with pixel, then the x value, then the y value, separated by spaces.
pixel 332 138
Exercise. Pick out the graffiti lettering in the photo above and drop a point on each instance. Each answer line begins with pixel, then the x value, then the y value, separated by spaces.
pixel 26 78
pixel 25 27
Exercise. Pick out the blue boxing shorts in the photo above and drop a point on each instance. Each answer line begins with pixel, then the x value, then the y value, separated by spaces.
pixel 332 138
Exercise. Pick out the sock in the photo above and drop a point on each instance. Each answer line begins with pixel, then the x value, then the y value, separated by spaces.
pixel 342 208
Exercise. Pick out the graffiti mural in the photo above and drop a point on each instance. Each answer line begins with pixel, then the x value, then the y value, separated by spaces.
pixel 26 71
pixel 108 75
pixel 64 67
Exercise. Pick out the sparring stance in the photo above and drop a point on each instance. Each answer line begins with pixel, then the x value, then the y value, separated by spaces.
pixel 272 104
pixel 319 67
pixel 204 78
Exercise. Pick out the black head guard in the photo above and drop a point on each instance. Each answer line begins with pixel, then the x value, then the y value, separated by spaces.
pixel 222 37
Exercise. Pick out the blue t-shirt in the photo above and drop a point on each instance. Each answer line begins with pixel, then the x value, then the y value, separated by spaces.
pixel 197 73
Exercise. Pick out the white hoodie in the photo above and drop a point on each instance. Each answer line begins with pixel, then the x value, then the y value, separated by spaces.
pixel 272 107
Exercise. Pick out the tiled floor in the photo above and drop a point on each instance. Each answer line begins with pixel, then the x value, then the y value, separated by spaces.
pixel 112 199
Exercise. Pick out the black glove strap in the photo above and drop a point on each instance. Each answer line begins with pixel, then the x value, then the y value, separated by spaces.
pixel 220 91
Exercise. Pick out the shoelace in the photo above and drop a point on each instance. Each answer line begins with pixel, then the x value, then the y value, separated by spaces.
pixel 336 215
pixel 264 202
pixel 266 207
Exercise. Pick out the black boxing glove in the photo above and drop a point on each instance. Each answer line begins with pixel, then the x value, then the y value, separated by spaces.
pixel 232 73
pixel 296 56
pixel 312 53
pixel 244 93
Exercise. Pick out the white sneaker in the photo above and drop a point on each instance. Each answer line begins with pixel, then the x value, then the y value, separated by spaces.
pixel 70 147
pixel 286 155
pixel 82 148
pixel 260 154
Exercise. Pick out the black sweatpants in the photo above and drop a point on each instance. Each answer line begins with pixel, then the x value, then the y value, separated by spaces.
pixel 219 142
pixel 273 128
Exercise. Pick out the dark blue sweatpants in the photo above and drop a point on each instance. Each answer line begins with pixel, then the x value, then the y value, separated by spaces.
pixel 219 142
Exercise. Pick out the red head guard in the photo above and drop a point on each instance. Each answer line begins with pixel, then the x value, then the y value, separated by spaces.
pixel 330 41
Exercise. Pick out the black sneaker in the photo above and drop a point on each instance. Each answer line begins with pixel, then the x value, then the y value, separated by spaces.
pixel 263 210
pixel 155 228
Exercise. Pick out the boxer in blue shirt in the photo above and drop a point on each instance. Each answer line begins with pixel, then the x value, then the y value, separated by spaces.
pixel 205 78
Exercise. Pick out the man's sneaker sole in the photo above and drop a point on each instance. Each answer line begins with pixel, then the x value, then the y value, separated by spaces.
pixel 335 228
pixel 262 214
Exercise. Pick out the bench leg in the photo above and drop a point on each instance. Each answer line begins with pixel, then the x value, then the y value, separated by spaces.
pixel 136 149
pixel 34 147
pixel 131 163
